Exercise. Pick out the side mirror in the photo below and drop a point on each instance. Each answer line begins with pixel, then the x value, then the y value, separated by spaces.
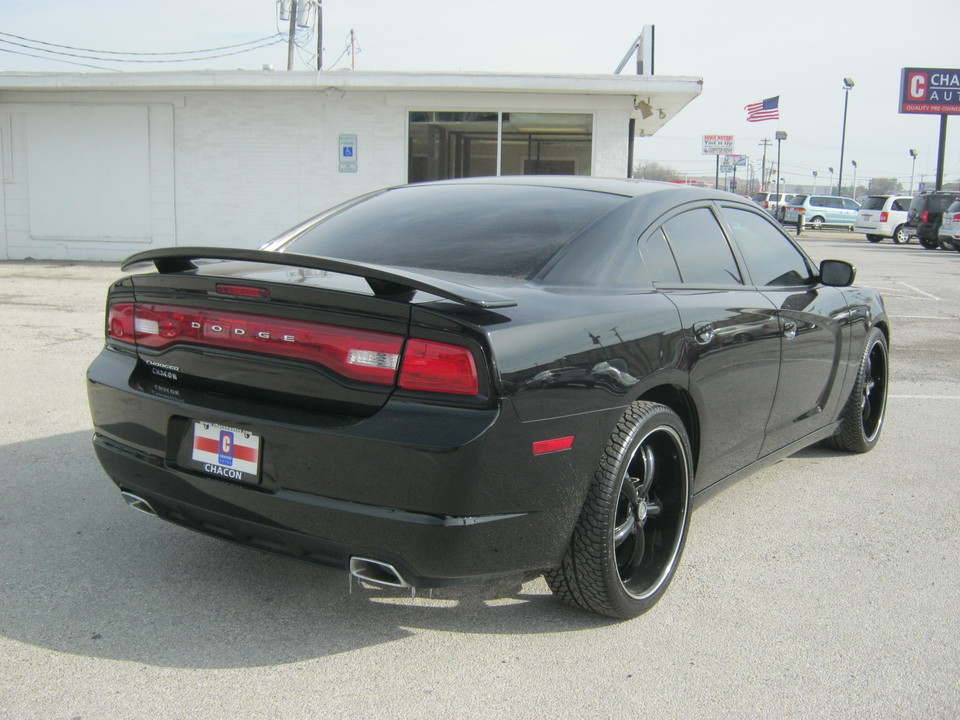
pixel 837 273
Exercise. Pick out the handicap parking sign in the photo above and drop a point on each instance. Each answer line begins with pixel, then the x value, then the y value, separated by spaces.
pixel 348 153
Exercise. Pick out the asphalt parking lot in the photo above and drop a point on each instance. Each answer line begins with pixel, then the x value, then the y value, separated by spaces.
pixel 826 586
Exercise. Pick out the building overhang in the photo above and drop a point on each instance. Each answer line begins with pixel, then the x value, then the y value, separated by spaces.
pixel 652 100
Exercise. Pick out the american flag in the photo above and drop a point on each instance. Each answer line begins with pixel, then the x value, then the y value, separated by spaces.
pixel 768 109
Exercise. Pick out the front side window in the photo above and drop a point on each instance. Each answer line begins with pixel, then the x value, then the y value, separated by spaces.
pixel 771 259
pixel 701 249
pixel 447 145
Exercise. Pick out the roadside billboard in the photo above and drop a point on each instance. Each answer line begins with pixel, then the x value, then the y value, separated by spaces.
pixel 930 91
pixel 717 144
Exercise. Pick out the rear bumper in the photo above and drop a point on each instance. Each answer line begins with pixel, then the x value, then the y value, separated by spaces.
pixel 454 496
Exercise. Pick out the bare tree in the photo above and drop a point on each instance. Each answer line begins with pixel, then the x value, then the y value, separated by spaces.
pixel 656 171
pixel 885 186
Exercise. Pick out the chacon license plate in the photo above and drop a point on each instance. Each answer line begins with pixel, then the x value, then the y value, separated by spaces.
pixel 226 452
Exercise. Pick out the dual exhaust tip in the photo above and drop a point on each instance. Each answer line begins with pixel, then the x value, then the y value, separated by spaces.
pixel 367 569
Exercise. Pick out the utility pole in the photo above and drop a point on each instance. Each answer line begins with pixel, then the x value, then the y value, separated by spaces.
pixel 765 143
pixel 291 38
pixel 319 35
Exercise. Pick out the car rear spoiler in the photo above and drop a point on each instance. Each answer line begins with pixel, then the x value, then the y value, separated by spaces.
pixel 381 280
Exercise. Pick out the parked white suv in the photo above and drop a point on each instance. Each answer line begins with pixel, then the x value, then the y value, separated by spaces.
pixel 883 216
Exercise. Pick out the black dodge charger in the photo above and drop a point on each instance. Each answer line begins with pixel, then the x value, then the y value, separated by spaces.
pixel 452 381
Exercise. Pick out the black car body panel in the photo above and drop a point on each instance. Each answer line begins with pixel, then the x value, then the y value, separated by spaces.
pixel 451 486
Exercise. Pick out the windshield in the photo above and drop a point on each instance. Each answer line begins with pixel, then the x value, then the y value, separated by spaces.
pixel 501 230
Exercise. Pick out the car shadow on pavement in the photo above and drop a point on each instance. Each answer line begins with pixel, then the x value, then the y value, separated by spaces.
pixel 84 574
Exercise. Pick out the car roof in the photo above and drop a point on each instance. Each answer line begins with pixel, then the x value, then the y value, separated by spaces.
pixel 628 187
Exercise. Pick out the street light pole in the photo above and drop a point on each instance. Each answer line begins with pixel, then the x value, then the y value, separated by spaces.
pixel 814 182
pixel 780 136
pixel 831 182
pixel 854 193
pixel 913 154
pixel 847 84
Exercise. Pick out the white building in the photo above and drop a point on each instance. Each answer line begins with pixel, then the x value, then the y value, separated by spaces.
pixel 98 166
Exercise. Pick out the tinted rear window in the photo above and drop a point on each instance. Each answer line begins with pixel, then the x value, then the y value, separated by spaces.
pixel 509 231
pixel 939 203
pixel 874 203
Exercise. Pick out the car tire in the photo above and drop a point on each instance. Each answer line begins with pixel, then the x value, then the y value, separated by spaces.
pixel 815 222
pixel 874 238
pixel 862 418
pixel 900 235
pixel 929 244
pixel 628 539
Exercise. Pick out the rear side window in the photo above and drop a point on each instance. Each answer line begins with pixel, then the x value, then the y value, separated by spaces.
pixel 502 230
pixel 659 259
pixel 820 201
pixel 902 204
pixel 701 249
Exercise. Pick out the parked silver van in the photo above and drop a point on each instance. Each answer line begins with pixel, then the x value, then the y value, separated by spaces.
pixel 823 211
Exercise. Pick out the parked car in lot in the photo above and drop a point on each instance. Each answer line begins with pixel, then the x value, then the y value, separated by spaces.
pixel 451 381
pixel 926 214
pixel 950 227
pixel 770 201
pixel 884 216
pixel 821 211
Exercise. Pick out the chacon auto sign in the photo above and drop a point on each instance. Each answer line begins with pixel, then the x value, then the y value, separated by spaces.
pixel 932 91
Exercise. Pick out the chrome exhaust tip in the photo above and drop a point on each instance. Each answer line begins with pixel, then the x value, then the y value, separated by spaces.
pixel 138 503
pixel 377 572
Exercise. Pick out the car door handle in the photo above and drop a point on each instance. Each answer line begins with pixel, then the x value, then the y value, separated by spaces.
pixel 789 329
pixel 704 332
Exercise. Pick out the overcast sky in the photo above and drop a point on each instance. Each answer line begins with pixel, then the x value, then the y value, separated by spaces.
pixel 745 51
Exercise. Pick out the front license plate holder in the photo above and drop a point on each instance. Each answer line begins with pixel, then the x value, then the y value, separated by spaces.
pixel 225 452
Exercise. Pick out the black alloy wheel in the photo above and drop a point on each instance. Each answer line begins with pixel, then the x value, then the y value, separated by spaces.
pixel 862 418
pixel 632 528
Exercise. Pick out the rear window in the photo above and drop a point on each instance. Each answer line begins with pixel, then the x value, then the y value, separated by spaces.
pixel 939 203
pixel 502 230
pixel 874 202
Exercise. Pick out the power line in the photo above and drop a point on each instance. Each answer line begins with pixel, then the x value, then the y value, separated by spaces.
pixel 69 62
pixel 145 57
pixel 122 52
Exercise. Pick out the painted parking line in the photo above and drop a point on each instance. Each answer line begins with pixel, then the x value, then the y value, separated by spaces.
pixel 918 290
pixel 925 397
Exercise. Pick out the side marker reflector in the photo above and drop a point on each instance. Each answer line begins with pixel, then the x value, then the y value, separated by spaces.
pixel 542 447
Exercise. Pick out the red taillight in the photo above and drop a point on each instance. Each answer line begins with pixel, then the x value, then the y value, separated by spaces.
pixel 438 367
pixel 120 322
pixel 357 354
pixel 884 215
pixel 925 217
pixel 363 355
